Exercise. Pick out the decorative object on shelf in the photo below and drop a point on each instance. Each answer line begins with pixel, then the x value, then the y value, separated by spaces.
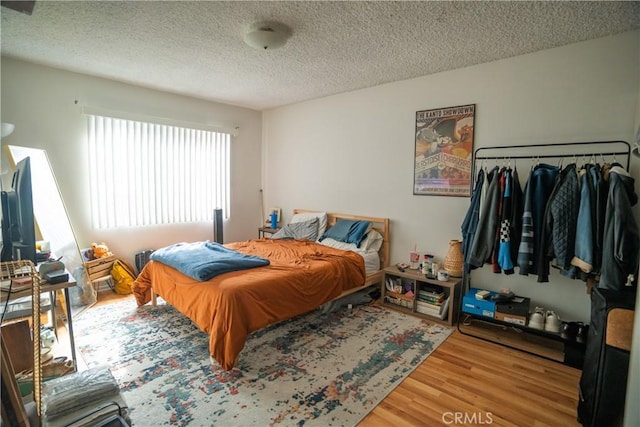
pixel 278 213
pixel 414 258
pixel 443 152
pixel 453 260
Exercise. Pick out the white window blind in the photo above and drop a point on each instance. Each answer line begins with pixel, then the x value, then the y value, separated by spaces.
pixel 145 173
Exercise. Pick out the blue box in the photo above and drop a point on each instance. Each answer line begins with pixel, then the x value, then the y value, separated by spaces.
pixel 472 305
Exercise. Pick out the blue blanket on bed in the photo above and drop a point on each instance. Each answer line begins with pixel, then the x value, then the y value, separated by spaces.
pixel 205 260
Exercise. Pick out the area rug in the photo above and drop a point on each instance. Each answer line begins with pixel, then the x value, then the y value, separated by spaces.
pixel 314 370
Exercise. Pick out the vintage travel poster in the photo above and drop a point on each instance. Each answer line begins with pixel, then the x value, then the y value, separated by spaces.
pixel 444 150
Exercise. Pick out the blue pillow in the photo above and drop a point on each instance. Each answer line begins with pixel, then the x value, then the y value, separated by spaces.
pixel 357 232
pixel 339 231
pixel 347 231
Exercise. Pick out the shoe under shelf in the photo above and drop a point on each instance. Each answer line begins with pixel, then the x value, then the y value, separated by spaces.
pixel 538 342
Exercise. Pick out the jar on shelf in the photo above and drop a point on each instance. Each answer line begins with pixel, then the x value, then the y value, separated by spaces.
pixel 454 259
pixel 426 264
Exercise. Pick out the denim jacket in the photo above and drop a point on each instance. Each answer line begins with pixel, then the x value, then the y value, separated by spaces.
pixel 584 249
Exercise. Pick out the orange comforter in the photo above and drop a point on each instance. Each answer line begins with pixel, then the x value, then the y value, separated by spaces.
pixel 302 275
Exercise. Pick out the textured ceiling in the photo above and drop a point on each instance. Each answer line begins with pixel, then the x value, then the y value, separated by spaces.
pixel 196 48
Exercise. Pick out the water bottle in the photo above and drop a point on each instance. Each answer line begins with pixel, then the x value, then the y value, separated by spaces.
pixel 274 220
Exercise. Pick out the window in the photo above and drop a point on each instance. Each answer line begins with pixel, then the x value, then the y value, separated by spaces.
pixel 145 173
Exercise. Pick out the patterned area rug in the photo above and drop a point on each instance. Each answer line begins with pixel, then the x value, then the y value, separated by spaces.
pixel 314 370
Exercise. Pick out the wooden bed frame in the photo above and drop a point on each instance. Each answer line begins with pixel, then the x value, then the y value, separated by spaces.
pixel 381 225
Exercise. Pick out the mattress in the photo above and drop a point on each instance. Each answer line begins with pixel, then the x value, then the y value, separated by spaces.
pixel 301 276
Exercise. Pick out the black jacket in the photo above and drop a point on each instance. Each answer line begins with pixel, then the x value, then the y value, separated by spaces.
pixel 621 239
pixel 561 217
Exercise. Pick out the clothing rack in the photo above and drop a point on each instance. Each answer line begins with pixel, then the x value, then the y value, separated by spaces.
pixel 590 152
pixel 607 148
pixel 558 150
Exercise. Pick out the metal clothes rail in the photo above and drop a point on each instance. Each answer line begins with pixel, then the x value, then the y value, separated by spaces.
pixel 596 150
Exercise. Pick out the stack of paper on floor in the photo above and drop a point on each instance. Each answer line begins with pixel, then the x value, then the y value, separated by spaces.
pixel 83 399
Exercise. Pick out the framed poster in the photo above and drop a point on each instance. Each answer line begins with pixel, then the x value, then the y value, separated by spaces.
pixel 444 151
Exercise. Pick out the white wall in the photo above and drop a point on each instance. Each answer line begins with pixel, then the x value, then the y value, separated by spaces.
pixel 40 101
pixel 353 152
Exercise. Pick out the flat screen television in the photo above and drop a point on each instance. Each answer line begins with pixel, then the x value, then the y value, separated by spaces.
pixel 18 223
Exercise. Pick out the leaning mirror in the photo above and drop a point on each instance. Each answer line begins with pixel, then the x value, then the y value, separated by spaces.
pixel 52 221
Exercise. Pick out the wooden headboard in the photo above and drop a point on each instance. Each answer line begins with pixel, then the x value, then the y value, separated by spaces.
pixel 381 225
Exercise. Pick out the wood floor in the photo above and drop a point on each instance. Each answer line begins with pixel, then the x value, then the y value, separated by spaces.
pixel 468 381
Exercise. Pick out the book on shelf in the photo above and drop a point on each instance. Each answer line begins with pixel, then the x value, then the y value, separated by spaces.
pixel 429 306
pixel 432 309
pixel 431 291
pixel 427 311
pixel 434 299
pixel 16 284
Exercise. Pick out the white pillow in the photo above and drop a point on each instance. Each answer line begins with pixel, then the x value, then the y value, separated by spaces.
pixel 372 242
pixel 336 244
pixel 306 216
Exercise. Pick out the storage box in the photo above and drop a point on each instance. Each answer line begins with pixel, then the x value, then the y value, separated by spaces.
pixel 511 318
pixel 100 267
pixel 518 306
pixel 472 305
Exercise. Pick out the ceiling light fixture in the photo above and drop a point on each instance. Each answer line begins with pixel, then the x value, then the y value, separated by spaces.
pixel 267 35
pixel 7 129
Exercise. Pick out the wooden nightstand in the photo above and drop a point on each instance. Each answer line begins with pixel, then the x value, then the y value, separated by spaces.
pixel 263 231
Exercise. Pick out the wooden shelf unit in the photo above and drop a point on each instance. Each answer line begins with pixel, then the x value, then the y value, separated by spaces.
pixel 416 282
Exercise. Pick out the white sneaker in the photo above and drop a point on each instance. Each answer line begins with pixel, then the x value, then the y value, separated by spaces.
pixel 552 322
pixel 537 319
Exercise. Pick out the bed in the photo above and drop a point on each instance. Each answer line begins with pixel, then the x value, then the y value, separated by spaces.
pixel 301 276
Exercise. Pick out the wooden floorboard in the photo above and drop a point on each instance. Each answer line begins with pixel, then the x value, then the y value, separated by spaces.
pixel 468 381
pixel 482 383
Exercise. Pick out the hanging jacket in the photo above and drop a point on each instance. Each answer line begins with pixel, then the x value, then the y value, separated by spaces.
pixel 621 238
pixel 538 189
pixel 558 238
pixel 584 249
pixel 525 249
pixel 516 214
pixel 483 241
pixel 495 264
pixel 470 222
pixel 602 193
pixel 504 251
pixel 485 187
